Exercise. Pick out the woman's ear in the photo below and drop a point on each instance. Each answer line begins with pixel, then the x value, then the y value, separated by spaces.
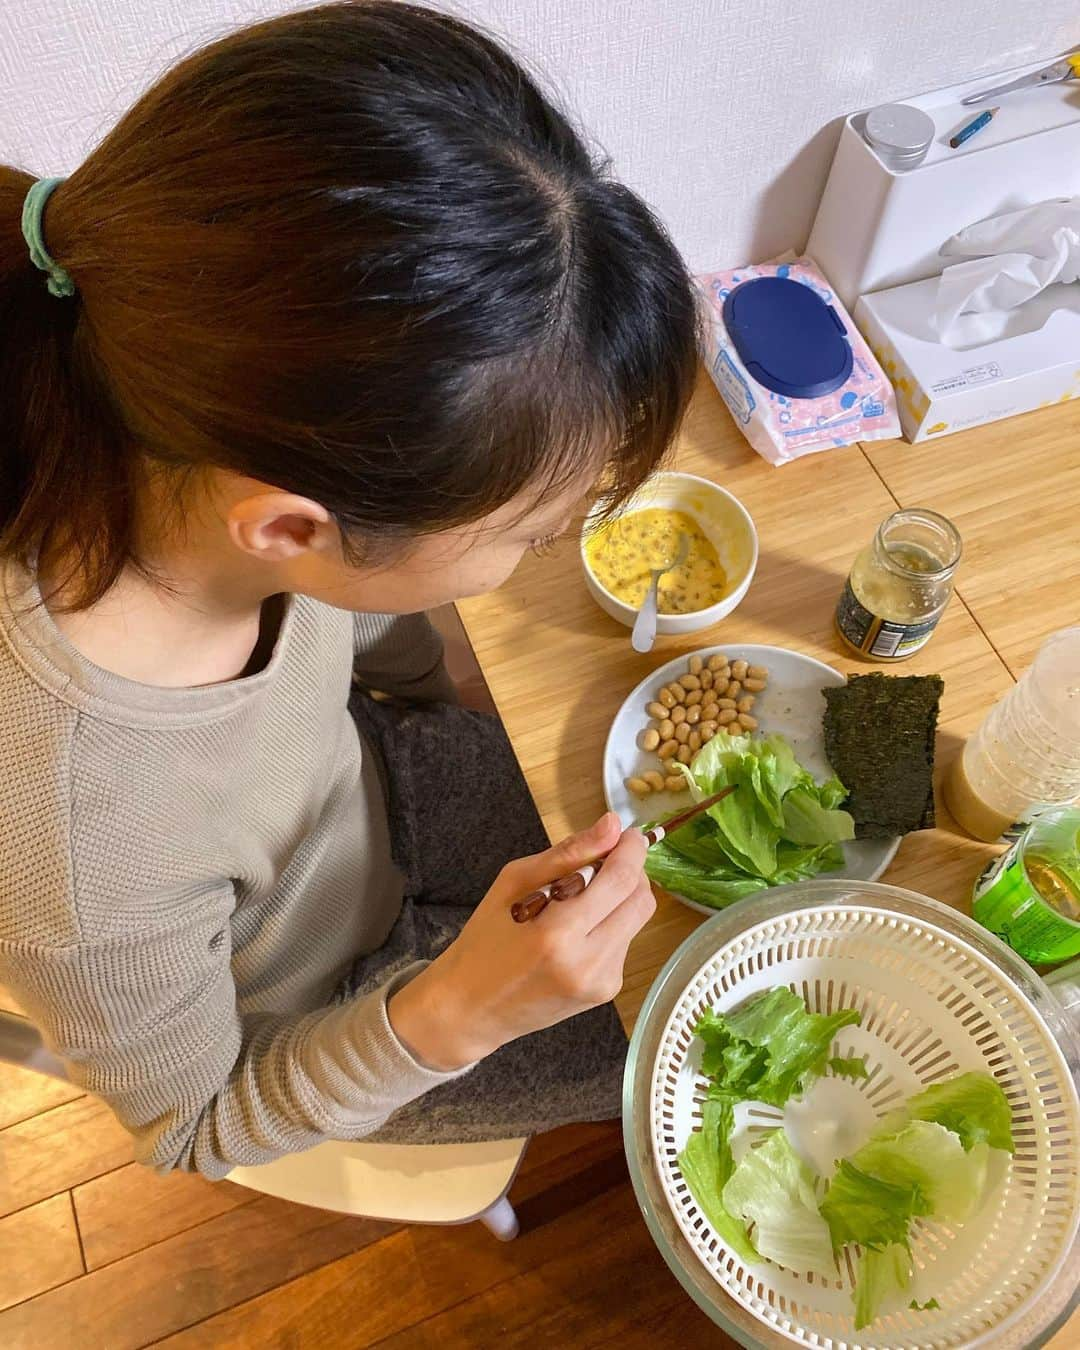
pixel 279 526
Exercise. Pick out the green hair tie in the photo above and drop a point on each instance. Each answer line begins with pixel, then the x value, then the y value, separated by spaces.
pixel 59 279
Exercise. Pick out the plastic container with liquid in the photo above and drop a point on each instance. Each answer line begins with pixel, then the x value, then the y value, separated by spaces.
pixel 1030 896
pixel 1065 983
pixel 1026 754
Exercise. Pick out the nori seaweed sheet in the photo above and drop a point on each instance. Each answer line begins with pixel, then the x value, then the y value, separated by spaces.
pixel 879 738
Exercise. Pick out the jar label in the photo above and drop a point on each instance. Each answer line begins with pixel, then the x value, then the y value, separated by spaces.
pixel 1008 905
pixel 882 638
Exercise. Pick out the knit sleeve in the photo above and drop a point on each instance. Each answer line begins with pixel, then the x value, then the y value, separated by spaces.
pixel 401 654
pixel 151 1024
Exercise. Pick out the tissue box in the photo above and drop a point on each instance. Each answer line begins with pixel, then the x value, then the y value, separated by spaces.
pixel 939 389
pixel 783 427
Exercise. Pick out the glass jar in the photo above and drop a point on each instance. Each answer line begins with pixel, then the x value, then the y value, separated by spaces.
pixel 899 585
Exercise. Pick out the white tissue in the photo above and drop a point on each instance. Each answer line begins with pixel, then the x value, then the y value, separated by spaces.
pixel 1013 257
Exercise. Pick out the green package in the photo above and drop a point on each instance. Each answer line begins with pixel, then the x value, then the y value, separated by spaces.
pixel 1030 896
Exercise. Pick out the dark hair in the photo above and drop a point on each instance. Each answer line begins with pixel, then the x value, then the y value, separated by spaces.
pixel 352 252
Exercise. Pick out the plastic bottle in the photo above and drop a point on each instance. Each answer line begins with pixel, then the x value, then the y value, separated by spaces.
pixel 1065 982
pixel 1027 751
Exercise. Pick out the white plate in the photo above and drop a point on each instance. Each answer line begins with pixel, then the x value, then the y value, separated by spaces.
pixel 791 706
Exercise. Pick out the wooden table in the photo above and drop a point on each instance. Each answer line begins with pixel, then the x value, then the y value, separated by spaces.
pixel 558 667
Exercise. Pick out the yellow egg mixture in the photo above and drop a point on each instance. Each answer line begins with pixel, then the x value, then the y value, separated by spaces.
pixel 624 553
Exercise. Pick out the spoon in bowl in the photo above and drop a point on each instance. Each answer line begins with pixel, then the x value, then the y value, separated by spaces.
pixel 644 632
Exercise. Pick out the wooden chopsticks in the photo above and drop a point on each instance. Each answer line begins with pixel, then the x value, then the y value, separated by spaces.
pixel 565 888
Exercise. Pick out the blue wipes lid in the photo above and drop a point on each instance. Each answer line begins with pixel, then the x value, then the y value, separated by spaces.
pixel 787 337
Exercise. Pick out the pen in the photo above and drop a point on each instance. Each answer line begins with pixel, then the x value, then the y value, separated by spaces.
pixel 972 128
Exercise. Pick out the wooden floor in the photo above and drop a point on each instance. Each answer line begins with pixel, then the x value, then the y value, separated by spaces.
pixel 96 1251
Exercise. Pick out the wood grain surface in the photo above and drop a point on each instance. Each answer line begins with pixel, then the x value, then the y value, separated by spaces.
pixel 558 667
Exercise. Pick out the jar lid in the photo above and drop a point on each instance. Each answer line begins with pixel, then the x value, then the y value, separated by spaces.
pixel 787 337
pixel 900 131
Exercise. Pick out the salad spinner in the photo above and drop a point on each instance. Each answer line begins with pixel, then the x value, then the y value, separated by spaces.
pixel 938 996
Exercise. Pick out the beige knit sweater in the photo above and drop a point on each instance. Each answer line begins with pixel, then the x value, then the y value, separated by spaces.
pixel 187 874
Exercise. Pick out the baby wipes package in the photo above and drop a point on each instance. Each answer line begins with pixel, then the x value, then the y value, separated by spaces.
pixel 790 364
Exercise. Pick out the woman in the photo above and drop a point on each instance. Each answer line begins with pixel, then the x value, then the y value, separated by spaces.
pixel 336 323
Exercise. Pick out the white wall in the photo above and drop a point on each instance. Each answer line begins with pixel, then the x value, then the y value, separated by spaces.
pixel 721 112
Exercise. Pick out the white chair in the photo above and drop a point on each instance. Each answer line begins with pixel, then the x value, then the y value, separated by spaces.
pixel 401 1183
pixel 405 1183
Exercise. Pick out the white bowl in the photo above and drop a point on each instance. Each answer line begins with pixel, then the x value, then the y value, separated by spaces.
pixel 725 521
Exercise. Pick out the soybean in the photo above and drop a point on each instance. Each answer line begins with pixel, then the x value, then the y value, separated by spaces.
pixel 715 695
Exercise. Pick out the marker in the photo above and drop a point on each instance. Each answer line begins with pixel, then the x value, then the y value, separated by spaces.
pixel 972 128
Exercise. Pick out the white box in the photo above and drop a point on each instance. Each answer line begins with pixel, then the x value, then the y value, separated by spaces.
pixel 1033 362
pixel 878 227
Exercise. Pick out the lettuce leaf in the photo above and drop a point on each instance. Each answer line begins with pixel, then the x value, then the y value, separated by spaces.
pixel 971 1105
pixel 778 826
pixel 707 1164
pixel 808 821
pixel 849 1066
pixel 770 1048
pixel 773 1189
pixel 862 1208
pixel 717 885
pixel 931 1158
pixel 881 1276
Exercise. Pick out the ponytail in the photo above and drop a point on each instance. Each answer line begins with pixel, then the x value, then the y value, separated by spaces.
pixel 65 477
